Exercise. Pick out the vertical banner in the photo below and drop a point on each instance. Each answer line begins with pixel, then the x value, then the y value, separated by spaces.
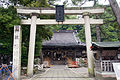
pixel 17 52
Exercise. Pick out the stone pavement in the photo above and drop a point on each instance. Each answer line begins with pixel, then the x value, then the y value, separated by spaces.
pixel 61 72
pixel 82 71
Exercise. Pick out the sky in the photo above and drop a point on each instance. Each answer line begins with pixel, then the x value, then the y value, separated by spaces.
pixel 88 3
pixel 106 2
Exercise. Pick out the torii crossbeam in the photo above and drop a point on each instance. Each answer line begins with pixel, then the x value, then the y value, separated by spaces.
pixel 68 22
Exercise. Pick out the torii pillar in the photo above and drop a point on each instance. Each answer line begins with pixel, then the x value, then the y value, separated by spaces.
pixel 32 45
pixel 88 44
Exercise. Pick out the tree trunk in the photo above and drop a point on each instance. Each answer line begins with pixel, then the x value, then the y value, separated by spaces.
pixel 98 33
pixel 116 10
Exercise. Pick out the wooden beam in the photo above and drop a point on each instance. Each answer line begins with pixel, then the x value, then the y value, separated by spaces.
pixel 69 22
pixel 28 11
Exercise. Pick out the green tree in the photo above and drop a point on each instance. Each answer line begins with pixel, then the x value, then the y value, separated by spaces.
pixel 30 3
pixel 8 18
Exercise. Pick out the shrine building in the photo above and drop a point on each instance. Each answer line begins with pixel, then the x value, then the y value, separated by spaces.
pixel 63 48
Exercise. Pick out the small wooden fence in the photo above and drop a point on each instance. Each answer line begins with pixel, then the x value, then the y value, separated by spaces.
pixel 105 65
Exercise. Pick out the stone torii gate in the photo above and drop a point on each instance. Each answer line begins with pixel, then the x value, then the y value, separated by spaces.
pixel 34 21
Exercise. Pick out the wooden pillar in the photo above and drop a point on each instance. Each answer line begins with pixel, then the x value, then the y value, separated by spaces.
pixel 75 55
pixel 17 52
pixel 52 57
pixel 32 45
pixel 41 56
pixel 88 44
pixel 100 53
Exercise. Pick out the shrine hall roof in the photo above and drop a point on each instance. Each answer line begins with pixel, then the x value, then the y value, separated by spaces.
pixel 106 44
pixel 64 38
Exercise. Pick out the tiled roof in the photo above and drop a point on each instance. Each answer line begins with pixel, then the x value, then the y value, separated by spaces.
pixel 106 44
pixel 64 38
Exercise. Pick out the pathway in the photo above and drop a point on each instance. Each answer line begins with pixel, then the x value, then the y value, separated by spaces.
pixel 61 72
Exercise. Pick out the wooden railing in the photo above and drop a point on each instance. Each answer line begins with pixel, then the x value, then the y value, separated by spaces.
pixel 105 65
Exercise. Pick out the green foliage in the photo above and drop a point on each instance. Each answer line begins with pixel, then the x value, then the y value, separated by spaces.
pixel 40 3
pixel 43 32
pixel 76 2
pixel 110 29
pixel 8 18
pixel 81 34
pixel 31 3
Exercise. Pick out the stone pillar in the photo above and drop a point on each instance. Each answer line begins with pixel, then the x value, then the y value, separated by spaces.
pixel 17 53
pixel 31 45
pixel 89 44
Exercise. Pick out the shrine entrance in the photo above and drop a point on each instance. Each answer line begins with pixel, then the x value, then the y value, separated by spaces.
pixel 59 59
pixel 55 58
pixel 34 21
